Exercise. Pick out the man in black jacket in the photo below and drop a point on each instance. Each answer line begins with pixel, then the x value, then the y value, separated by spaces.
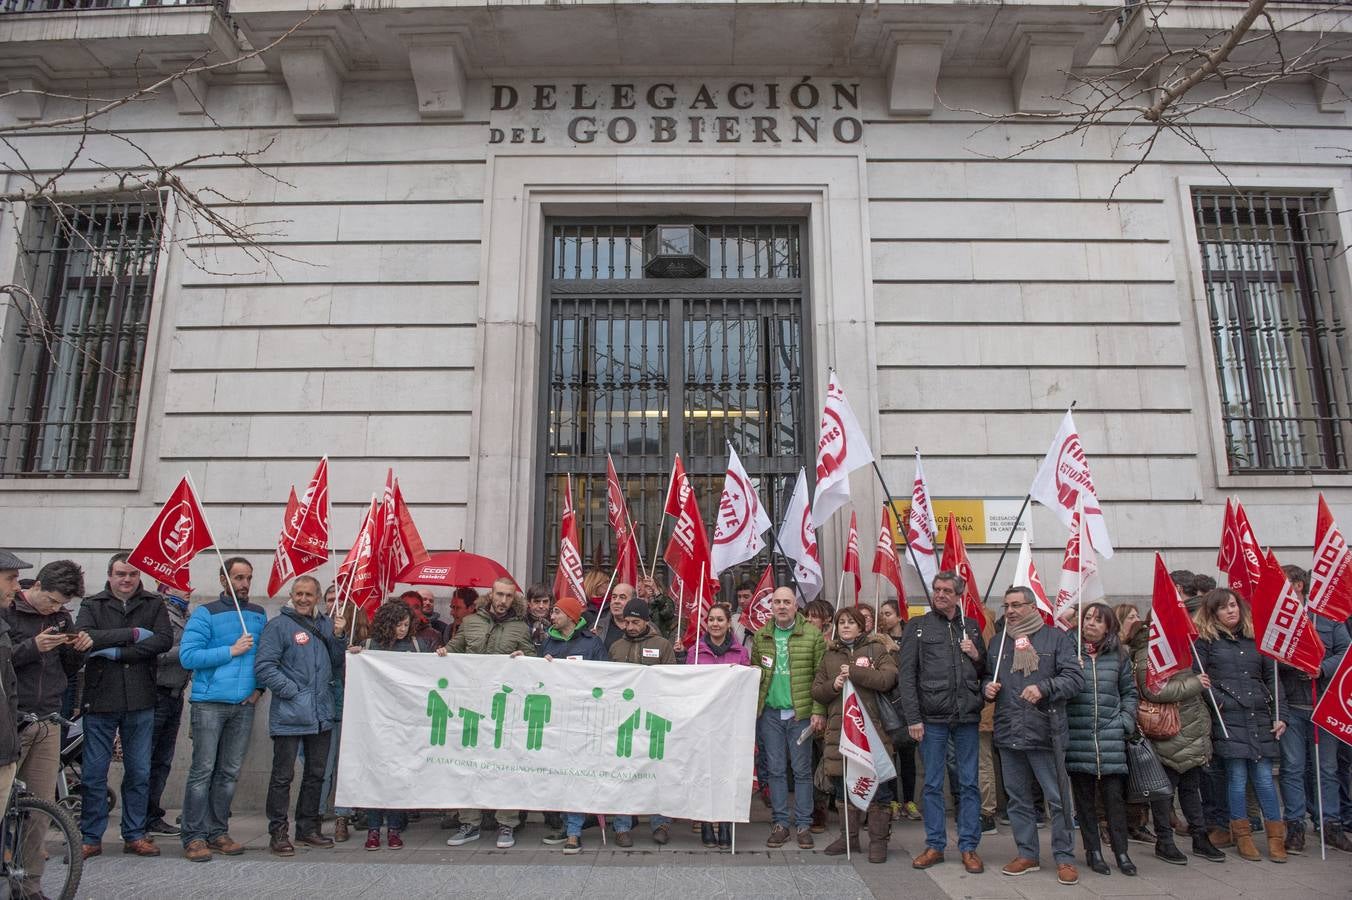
pixel 128 627
pixel 47 651
pixel 943 659
pixel 9 691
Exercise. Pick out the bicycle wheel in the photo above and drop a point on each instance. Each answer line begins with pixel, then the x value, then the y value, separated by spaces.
pixel 48 856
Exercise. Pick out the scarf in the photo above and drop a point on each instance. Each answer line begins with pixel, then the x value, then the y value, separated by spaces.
pixel 719 649
pixel 1025 656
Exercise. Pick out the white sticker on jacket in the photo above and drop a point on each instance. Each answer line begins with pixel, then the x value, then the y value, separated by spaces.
pixel 651 653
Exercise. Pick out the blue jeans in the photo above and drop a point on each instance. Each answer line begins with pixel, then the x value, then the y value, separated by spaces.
pixel 572 824
pixel 1258 772
pixel 1297 755
pixel 220 737
pixel 779 738
pixel 624 823
pixel 934 747
pixel 137 728
pixel 394 819
pixel 168 713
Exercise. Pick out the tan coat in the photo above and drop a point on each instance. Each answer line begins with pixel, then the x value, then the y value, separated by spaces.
pixel 879 676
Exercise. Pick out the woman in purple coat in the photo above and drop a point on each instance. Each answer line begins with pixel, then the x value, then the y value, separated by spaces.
pixel 717 646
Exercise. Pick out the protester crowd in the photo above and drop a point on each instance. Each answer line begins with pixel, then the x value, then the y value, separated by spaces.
pixel 1020 722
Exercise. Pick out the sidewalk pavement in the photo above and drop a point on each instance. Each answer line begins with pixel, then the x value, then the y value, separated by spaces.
pixel 683 869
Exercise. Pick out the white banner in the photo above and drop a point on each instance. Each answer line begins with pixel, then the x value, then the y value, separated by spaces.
pixel 490 732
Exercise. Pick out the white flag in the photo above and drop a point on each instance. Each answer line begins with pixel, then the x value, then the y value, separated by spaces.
pixel 798 541
pixel 1080 582
pixel 1063 480
pixel 741 519
pixel 841 448
pixel 867 763
pixel 920 529
pixel 1025 575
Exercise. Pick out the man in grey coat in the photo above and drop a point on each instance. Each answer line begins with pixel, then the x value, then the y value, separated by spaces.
pixel 1032 670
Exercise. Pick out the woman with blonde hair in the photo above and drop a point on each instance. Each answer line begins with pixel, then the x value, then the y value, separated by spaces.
pixel 1244 686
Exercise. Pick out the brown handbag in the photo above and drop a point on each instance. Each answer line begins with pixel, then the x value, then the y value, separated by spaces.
pixel 1158 721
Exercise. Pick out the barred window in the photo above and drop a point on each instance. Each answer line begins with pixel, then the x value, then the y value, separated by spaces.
pixel 74 359
pixel 643 368
pixel 1276 320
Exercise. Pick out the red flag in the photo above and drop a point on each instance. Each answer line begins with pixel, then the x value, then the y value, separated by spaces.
pixel 308 529
pixel 1281 628
pixel 359 576
pixel 1239 557
pixel 1169 650
pixel 687 554
pixel 403 545
pixel 885 560
pixel 955 560
pixel 626 549
pixel 1331 574
pixel 283 567
pixel 756 613
pixel 852 556
pixel 178 534
pixel 568 578
pixel 673 505
pixel 1333 712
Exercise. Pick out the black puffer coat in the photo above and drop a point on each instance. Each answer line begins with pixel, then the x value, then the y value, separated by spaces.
pixel 940 683
pixel 1103 714
pixel 1242 680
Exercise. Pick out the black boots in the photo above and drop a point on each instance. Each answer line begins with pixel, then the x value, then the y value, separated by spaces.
pixel 1202 846
pixel 1168 851
pixel 1125 865
pixel 1094 859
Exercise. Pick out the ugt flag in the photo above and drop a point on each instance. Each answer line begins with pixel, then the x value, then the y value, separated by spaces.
pixel 178 534
pixel 741 519
pixel 841 448
pixel 1333 712
pixel 1063 480
pixel 867 763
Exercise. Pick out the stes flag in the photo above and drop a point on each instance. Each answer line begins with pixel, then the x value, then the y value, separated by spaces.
pixel 1063 480
pixel 742 521
pixel 798 541
pixel 1080 583
pixel 841 448
pixel 921 531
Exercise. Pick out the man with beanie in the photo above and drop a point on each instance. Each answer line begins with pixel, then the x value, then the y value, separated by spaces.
pixel 641 645
pixel 220 653
pixel 943 657
pixel 1031 671
pixel 9 713
pixel 128 627
pixel 568 638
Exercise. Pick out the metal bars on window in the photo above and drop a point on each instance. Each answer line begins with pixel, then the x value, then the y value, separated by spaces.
pixel 75 357
pixel 647 368
pixel 1276 322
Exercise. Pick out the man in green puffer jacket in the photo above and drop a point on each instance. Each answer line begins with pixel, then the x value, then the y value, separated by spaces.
pixel 788 651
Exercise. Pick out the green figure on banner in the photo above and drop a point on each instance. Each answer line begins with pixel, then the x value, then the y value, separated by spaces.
pixel 624 738
pixel 439 713
pixel 469 727
pixel 498 714
pixel 537 709
pixel 657 728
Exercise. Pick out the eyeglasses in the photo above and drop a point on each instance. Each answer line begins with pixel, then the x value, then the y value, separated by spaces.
pixel 1018 605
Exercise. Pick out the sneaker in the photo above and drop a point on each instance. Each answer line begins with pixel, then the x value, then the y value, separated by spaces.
pixel 506 840
pixel 554 836
pixel 779 836
pixel 805 841
pixel 911 811
pixel 988 824
pixel 895 808
pixel 159 826
pixel 373 839
pixel 1002 817
pixel 572 846
pixel 463 835
pixel 393 840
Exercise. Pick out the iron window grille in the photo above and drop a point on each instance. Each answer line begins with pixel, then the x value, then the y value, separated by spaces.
pixel 75 358
pixel 1276 322
pixel 644 368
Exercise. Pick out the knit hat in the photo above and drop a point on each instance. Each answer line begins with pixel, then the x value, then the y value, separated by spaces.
pixel 570 607
pixel 638 609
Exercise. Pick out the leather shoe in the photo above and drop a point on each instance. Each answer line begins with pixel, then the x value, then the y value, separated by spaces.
pixel 280 845
pixel 88 850
pixel 1021 865
pixel 661 835
pixel 197 851
pixel 1094 859
pixel 623 839
pixel 930 857
pixel 972 863
pixel 316 840
pixel 1125 865
pixel 141 847
pixel 226 845
pixel 1066 874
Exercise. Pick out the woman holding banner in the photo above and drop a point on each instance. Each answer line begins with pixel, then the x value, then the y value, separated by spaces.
pixel 868 660
pixel 1243 683
pixel 718 646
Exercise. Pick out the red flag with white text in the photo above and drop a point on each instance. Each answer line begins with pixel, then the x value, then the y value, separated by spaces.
pixel 1333 712
pixel 885 562
pixel 1239 556
pixel 1281 629
pixel 1025 575
pixel 955 559
pixel 617 512
pixel 1331 574
pixel 756 613
pixel 403 545
pixel 867 762
pixel 308 530
pixel 672 506
pixel 359 573
pixel 688 555
pixel 568 577
pixel 178 534
pixel 1169 650
pixel 1080 582
pixel 851 565
pixel 288 561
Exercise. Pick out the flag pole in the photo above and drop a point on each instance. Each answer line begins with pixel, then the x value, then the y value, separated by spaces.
pixel 662 520
pixel 699 609
pixel 605 604
pixel 1277 700
pixel 840 588
pixel 845 771
pixel 1005 549
pixel 225 573
pixel 1318 776
pixel 892 504
pixel 1000 654
pixel 1210 693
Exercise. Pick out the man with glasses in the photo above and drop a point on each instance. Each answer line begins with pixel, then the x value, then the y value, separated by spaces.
pixel 1032 670
pixel 943 659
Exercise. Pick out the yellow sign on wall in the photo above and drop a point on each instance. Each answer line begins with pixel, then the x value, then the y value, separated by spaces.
pixel 980 520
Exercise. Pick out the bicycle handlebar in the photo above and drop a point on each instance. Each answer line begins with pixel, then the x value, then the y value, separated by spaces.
pixel 34 718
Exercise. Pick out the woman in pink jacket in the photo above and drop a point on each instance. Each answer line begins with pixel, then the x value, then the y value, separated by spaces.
pixel 717 646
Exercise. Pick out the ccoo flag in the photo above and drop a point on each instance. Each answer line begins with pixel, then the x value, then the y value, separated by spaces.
pixel 1331 574
pixel 1281 629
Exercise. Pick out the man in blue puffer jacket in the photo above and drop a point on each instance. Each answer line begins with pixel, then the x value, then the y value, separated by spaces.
pixel 296 660
pixel 219 651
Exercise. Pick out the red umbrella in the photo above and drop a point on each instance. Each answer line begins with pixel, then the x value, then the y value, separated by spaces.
pixel 456 568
